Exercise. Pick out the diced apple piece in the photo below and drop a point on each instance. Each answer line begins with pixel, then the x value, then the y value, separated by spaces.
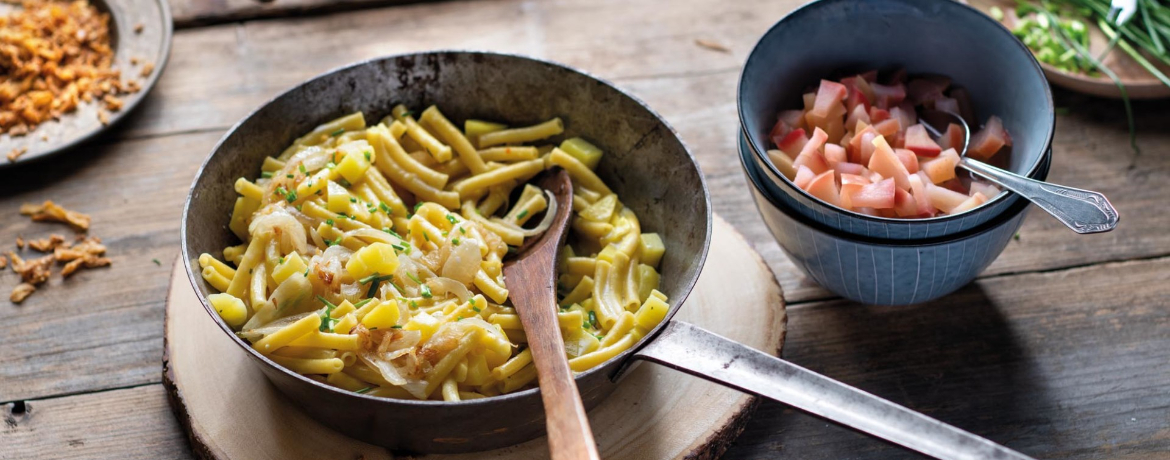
pixel 824 187
pixel 987 142
pixel 944 199
pixel 850 168
pixel 908 159
pixel 783 163
pixel 810 155
pixel 834 125
pixel 793 118
pixel 885 162
pixel 921 199
pixel 952 138
pixel 926 90
pixel 904 204
pixel 829 95
pixel 847 191
pixel 970 203
pixel 905 115
pixel 834 154
pixel 919 141
pixel 855 144
pixel 947 104
pixel 858 113
pixel 870 76
pixel 803 176
pixel 866 210
pixel 809 100
pixel 792 143
pixel 877 115
pixel 888 127
pixel 897 76
pixel 854 179
pixel 987 189
pixel 866 151
pixel 878 195
pixel 888 96
pixel 942 168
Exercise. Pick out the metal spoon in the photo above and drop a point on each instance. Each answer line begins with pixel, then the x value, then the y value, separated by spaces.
pixel 1083 211
pixel 534 297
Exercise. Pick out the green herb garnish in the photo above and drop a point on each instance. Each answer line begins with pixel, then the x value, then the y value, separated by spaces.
pixel 362 303
pixel 522 214
pixel 592 319
pixel 363 390
pixel 426 291
pixel 339 132
pixel 266 174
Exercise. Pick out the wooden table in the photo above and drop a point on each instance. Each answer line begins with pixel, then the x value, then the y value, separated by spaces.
pixel 1060 350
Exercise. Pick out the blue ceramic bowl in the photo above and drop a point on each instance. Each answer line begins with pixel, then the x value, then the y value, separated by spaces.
pixel 826 37
pixel 881 272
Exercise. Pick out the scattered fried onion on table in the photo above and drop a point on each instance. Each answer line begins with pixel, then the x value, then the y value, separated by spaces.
pixel 85 252
pixel 54 56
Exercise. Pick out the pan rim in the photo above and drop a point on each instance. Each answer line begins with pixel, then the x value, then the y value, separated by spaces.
pixel 623 357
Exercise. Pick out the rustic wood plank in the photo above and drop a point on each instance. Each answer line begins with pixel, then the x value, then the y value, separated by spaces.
pixel 190 13
pixel 133 423
pixel 1031 361
pixel 1069 364
pixel 102 327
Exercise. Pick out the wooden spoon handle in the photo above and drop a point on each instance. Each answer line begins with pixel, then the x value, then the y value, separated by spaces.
pixel 569 434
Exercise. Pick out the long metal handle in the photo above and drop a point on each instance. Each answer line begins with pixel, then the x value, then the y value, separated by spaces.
pixel 1083 211
pixel 704 354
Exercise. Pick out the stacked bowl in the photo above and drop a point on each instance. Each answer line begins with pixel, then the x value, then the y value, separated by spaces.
pixel 878 260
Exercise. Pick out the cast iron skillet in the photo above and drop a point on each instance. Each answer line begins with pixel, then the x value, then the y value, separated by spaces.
pixel 645 163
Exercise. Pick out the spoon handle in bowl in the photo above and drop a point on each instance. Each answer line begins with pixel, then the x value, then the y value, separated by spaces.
pixel 698 352
pixel 1083 211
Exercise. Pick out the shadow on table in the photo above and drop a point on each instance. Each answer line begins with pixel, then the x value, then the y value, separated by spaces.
pixel 956 359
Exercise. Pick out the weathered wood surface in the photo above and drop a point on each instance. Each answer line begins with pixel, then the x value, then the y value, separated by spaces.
pixel 102 328
pixel 193 13
pixel 1052 364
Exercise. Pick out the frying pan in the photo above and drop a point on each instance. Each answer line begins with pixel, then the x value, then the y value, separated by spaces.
pixel 645 163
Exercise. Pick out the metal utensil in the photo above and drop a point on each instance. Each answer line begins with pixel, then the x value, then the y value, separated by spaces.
pixel 1084 211
pixel 535 300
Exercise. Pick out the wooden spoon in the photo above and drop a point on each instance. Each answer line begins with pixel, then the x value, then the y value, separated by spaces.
pixel 531 278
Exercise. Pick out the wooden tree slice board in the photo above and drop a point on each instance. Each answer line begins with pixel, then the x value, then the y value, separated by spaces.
pixel 230 410
pixel 1139 82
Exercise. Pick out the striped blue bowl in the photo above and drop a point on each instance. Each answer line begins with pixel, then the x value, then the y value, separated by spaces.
pixel 881 271
pixel 922 36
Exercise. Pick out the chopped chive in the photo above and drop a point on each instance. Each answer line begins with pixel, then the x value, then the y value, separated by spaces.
pixel 417 205
pixel 369 278
pixel 476 309
pixel 426 291
pixel 458 319
pixel 281 191
pixel 522 214
pixel 289 176
pixel 344 183
pixel 266 174
pixel 326 318
pixel 426 237
pixel 362 303
pixel 592 319
pixel 367 154
pixel 329 222
pixel 374 328
pixel 339 132
pixel 471 301
pixel 156 262
pixel 303 170
pixel 352 200
pixel 451 219
pixel 292 196
pixel 455 241
pixel 330 165
pixel 396 326
pixel 384 207
pixel 462 230
pixel 392 232
pixel 413 277
pixel 363 390
pixel 398 247
pixel 413 305
pixel 281 259
pixel 300 207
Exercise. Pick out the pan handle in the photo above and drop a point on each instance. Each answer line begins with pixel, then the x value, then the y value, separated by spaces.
pixel 701 353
